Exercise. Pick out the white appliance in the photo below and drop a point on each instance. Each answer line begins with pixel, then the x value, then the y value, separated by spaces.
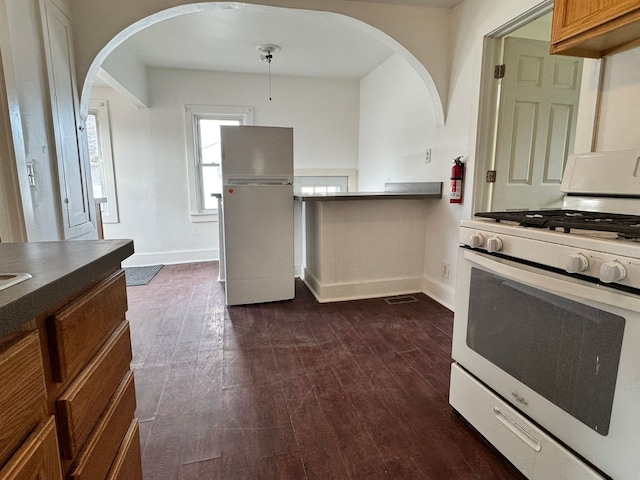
pixel 547 327
pixel 257 203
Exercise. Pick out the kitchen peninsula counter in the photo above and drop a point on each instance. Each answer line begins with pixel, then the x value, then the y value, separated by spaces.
pixel 365 244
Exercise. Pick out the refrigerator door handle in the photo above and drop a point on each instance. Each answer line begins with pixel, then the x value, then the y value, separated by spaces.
pixel 253 180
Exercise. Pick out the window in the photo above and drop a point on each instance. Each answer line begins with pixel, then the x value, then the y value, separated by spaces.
pixel 319 185
pixel 323 181
pixel 204 155
pixel 101 160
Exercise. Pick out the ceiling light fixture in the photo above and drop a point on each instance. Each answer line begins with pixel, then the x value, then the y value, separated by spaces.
pixel 267 51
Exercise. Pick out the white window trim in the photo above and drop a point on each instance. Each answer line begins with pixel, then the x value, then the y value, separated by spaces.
pixel 100 109
pixel 192 113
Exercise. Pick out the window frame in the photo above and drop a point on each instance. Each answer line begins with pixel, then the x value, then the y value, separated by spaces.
pixel 193 113
pixel 100 108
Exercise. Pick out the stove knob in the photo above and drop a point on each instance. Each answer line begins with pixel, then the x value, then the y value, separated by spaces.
pixel 612 272
pixel 476 240
pixel 577 263
pixel 494 244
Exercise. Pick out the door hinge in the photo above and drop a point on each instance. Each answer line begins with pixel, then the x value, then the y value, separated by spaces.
pixel 491 176
pixel 498 71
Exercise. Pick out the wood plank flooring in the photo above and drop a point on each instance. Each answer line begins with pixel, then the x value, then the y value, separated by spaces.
pixel 295 390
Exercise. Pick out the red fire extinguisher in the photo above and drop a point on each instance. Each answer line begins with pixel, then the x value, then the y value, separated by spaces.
pixel 457 174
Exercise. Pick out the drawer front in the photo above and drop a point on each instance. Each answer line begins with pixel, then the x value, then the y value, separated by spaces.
pixel 82 404
pixel 38 456
pixel 23 393
pixel 532 451
pixel 127 465
pixel 96 457
pixel 78 331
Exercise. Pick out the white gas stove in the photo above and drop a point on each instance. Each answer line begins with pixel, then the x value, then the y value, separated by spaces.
pixel 547 324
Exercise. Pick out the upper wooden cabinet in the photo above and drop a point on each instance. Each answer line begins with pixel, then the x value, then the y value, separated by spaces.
pixel 594 28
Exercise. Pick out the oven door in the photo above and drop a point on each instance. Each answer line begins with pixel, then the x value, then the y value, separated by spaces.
pixel 561 350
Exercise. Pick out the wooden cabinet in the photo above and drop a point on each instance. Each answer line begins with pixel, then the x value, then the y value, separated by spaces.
pixel 93 387
pixel 594 28
pixel 28 441
pixel 78 330
pixel 37 458
pixel 82 404
pixel 22 403
pixel 95 459
pixel 127 465
pixel 67 396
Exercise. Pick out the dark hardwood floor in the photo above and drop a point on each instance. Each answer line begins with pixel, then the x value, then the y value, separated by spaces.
pixel 295 390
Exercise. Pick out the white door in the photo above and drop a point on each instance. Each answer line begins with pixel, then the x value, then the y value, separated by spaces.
pixel 537 119
pixel 12 224
pixel 74 185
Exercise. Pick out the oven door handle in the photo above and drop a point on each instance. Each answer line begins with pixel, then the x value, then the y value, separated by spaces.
pixel 554 283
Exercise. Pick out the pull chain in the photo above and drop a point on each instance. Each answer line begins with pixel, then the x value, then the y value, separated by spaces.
pixel 269 57
pixel 267 51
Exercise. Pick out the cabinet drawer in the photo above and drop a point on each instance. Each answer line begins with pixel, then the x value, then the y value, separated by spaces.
pixel 532 451
pixel 127 465
pixel 80 406
pixel 37 457
pixel 23 393
pixel 96 457
pixel 77 331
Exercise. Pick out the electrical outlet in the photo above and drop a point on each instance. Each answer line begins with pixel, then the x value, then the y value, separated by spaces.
pixel 445 270
pixel 427 156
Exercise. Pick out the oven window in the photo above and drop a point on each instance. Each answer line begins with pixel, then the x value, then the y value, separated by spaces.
pixel 566 351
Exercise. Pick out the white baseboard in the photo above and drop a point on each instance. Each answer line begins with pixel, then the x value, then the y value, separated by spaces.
pixel 170 258
pixel 443 294
pixel 361 290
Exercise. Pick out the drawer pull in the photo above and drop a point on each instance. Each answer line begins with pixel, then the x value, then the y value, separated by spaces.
pixel 520 432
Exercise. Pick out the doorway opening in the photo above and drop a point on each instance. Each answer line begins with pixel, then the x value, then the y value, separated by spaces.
pixel 534 111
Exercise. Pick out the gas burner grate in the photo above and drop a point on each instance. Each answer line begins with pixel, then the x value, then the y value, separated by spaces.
pixel 626 226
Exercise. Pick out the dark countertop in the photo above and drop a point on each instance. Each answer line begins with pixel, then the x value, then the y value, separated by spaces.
pixel 369 196
pixel 59 270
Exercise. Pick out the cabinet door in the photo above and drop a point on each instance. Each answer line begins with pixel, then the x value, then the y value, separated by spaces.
pixel 81 405
pixel 38 456
pixel 127 464
pixel 73 177
pixel 78 330
pixel 593 27
pixel 23 393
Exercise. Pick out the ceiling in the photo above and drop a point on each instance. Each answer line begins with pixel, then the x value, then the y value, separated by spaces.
pixel 313 44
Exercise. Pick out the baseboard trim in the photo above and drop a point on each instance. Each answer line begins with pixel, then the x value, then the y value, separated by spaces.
pixel 361 290
pixel 443 294
pixel 171 258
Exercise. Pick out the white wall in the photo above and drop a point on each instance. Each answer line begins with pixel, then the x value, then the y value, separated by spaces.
pixel 618 126
pixel 149 149
pixel 471 21
pixel 126 70
pixel 397 125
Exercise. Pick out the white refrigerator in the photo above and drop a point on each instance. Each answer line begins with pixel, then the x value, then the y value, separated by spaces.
pixel 257 204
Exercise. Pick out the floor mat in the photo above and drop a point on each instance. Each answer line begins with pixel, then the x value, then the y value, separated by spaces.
pixel 141 275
